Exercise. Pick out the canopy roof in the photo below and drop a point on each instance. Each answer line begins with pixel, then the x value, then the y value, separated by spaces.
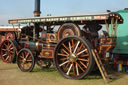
pixel 70 18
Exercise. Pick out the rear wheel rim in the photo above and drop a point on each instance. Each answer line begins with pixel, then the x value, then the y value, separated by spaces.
pixel 7 51
pixel 72 58
pixel 25 60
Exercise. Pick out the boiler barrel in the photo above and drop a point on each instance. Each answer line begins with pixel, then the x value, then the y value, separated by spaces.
pixel 32 45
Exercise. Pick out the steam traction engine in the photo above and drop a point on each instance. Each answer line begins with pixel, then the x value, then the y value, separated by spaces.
pixel 7 33
pixel 65 40
pixel 69 47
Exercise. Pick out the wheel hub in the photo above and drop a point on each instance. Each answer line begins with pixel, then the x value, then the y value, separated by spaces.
pixel 8 51
pixel 72 57
pixel 24 60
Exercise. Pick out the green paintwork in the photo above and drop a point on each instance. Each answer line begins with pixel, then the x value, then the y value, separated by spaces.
pixel 122 34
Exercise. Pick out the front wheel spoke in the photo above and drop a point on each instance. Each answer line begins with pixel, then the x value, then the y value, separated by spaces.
pixel 22 64
pixel 76 46
pixel 86 60
pixel 27 55
pixel 69 69
pixel 28 65
pixel 83 64
pixel 20 60
pixel 22 54
pixel 21 57
pixel 60 54
pixel 29 60
pixel 77 70
pixel 80 67
pixel 64 63
pixel 81 52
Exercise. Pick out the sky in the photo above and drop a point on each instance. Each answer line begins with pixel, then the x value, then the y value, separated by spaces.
pixel 10 9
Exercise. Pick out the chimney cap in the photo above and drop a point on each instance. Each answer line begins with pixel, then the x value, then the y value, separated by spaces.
pixel 108 10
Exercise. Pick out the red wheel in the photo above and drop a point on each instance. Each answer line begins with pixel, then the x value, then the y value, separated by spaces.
pixel 73 58
pixel 8 51
pixel 68 29
pixel 25 60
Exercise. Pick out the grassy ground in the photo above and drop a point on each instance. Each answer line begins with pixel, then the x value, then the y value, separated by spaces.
pixel 11 75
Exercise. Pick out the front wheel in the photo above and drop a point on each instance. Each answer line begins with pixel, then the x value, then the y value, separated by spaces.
pixel 73 58
pixel 25 60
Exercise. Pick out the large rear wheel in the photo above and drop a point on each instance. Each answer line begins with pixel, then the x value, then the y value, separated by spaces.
pixel 73 58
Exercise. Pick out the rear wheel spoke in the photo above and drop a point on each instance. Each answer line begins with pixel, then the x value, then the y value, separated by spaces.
pixel 66 47
pixel 83 64
pixel 85 55
pixel 63 59
pixel 81 52
pixel 60 54
pixel 73 67
pixel 73 44
pixel 65 51
pixel 70 47
pixel 86 60
pixel 80 67
pixel 77 70
pixel 67 66
pixel 80 47
pixel 76 46
pixel 64 63
pixel 69 69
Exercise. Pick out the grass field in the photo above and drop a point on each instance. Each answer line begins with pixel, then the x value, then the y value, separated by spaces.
pixel 11 75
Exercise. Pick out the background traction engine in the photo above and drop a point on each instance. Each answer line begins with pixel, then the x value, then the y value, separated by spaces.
pixel 8 44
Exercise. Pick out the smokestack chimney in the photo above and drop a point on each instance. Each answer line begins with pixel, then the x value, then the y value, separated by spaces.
pixel 37 8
